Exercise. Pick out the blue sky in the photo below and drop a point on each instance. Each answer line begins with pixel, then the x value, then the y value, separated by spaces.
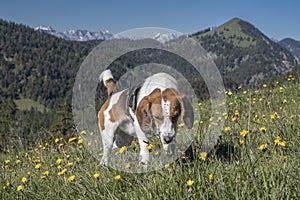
pixel 275 18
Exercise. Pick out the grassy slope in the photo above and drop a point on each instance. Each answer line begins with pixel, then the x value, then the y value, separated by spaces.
pixel 241 170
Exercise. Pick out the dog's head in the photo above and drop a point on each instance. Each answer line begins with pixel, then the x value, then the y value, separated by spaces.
pixel 159 112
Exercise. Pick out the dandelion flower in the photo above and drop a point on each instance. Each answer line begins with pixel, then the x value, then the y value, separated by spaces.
pixel 203 156
pixel 167 166
pixel 96 175
pixel 117 177
pixel 211 177
pixel 7 161
pixel 244 133
pixel 227 128
pixel 38 166
pixel 229 93
pixel 24 179
pixel 59 161
pixel 282 143
pixel 127 166
pixel 19 188
pixel 149 147
pixel 189 182
pixel 71 178
pixel 277 140
pixel 56 140
pixel 241 142
pixel 70 164
pixel 122 149
pixel 263 129
pixel 263 147
pixel 281 89
pixel 46 173
pixel 72 139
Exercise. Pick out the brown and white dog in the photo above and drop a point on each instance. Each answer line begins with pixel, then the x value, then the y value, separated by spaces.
pixel 150 108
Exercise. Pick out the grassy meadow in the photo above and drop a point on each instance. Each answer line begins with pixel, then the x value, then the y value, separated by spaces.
pixel 257 158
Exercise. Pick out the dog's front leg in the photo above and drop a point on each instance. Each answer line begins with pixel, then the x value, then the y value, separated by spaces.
pixel 143 142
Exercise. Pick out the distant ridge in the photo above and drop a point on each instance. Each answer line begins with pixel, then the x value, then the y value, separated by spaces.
pixel 292 45
pixel 243 54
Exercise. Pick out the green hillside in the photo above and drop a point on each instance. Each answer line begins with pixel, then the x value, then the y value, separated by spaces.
pixel 243 54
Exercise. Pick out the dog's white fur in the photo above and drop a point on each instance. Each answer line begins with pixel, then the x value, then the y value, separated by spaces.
pixel 130 126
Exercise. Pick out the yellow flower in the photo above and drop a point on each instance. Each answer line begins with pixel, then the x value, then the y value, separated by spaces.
pixel 227 128
pixel 71 178
pixel 284 101
pixel 122 149
pixel 7 161
pixel 263 129
pixel 244 133
pixel 80 141
pixel 264 85
pixel 181 125
pixel 38 166
pixel 24 179
pixel 245 92
pixel 62 172
pixel 43 177
pixel 167 166
pixel 70 164
pixel 83 133
pixel 72 139
pixel 19 188
pixel 229 93
pixel 189 182
pixel 117 177
pixel 281 89
pixel 203 156
pixel 211 177
pixel 28 173
pixel 236 113
pixel 127 166
pixel 242 142
pixel 282 143
pixel 149 147
pixel 277 140
pixel 263 147
pixel 46 173
pixel 18 161
pixel 96 175
pixel 240 87
pixel 56 140
pixel 59 161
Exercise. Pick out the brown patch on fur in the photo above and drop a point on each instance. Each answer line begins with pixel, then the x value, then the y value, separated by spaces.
pixel 149 106
pixel 179 103
pixel 110 86
pixel 117 112
pixel 101 114
pixel 175 109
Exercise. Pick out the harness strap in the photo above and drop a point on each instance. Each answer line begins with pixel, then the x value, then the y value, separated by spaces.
pixel 131 100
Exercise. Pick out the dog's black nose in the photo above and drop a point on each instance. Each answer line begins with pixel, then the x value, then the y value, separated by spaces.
pixel 168 139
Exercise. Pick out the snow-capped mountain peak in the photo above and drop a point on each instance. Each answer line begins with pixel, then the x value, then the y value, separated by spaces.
pixel 77 35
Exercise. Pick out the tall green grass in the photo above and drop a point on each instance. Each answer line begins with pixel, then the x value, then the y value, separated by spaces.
pixel 257 157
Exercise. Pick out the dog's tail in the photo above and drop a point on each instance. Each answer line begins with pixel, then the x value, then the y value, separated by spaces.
pixel 108 81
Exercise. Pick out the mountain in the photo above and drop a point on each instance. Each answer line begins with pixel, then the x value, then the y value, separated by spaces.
pixel 243 54
pixel 84 35
pixel 76 35
pixel 292 45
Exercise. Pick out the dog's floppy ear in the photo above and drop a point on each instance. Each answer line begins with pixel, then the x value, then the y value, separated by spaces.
pixel 187 110
pixel 143 115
